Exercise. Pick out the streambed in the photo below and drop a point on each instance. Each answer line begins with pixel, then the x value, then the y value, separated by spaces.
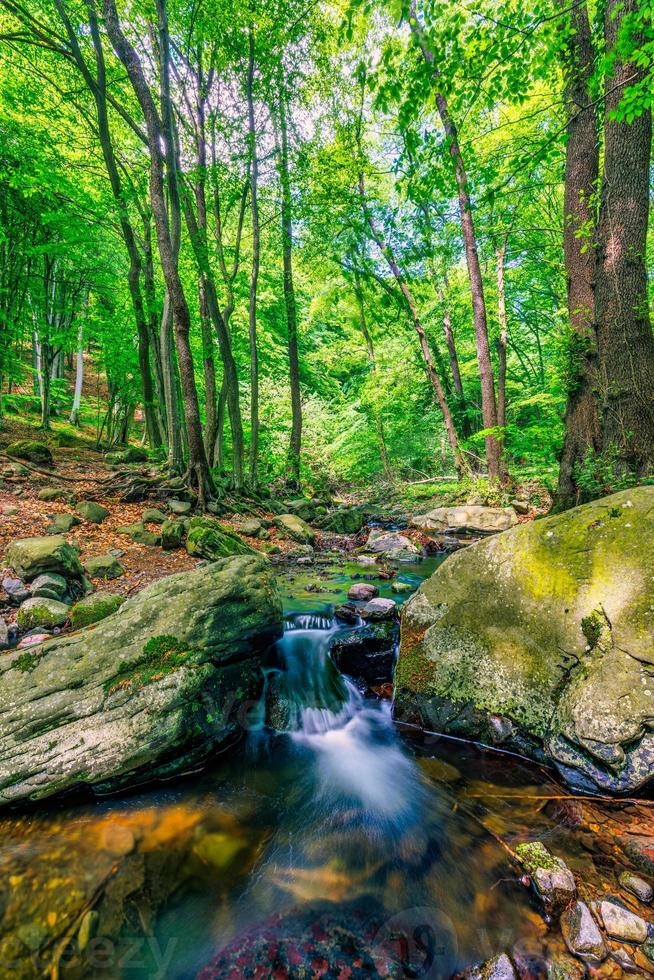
pixel 338 848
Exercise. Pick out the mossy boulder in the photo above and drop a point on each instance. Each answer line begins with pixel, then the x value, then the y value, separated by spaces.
pixel 31 450
pixel 103 566
pixel 93 608
pixel 41 611
pixel 92 511
pixel 130 455
pixel 172 535
pixel 30 557
pixel 152 690
pixel 344 520
pixel 295 528
pixel 209 539
pixel 152 515
pixel 48 494
pixel 540 640
pixel 140 534
pixel 63 523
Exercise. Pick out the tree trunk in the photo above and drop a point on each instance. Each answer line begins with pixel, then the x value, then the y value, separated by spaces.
pixel 254 274
pixel 625 340
pixel 500 256
pixel 582 421
pixel 432 373
pixel 209 376
pixel 79 372
pixel 372 361
pixel 488 403
pixel 162 135
pixel 295 444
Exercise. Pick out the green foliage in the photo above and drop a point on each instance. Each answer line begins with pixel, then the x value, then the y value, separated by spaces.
pixel 602 473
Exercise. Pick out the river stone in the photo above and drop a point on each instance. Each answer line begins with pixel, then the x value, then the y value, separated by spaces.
pixel 62 523
pixel 499 968
pixel 391 545
pixel 401 587
pixel 103 566
pixel 31 557
pixel 362 590
pixel 51 493
pixel 582 934
pixel 553 656
pixel 91 511
pixel 367 653
pixel 55 586
pixel 93 608
pixel 486 520
pixel 148 692
pixel 622 924
pixel 31 450
pixel 207 538
pixel 152 515
pixel 172 535
pixel 140 534
pixel 550 875
pixel 378 609
pixel 42 612
pixel 641 889
pixel 297 529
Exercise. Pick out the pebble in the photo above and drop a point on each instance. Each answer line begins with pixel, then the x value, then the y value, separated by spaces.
pixel 582 934
pixel 622 924
pixel 641 889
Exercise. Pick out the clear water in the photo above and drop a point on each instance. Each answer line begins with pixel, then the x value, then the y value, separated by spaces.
pixel 338 815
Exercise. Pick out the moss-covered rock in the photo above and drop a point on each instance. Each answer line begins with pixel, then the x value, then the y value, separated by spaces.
pixel 93 608
pixel 30 557
pixel 295 528
pixel 172 535
pixel 31 450
pixel 41 611
pixel 344 520
pixel 540 639
pixel 140 534
pixel 51 493
pixel 147 692
pixel 131 455
pixel 103 566
pixel 208 538
pixel 63 523
pixel 152 515
pixel 92 511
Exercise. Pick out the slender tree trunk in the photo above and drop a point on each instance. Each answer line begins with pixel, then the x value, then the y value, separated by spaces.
pixel 488 403
pixel 372 361
pixel 432 373
pixel 500 256
pixel 295 445
pixel 254 274
pixel 166 346
pixel 219 454
pixel 625 339
pixel 582 418
pixel 209 376
pixel 162 134
pixel 79 372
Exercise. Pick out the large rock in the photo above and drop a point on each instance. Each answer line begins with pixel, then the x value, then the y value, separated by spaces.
pixel 147 692
pixel 31 450
pixel 30 557
pixel 296 528
pixel 208 538
pixel 392 545
pixel 42 612
pixel 92 511
pixel 344 520
pixel 540 640
pixel 477 519
pixel 103 566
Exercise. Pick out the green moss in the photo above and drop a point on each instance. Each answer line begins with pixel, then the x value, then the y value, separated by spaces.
pixel 535 855
pixel 591 627
pixel 162 655
pixel 26 661
pixel 94 608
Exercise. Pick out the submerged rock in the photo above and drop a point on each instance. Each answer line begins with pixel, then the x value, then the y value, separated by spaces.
pixel 539 639
pixel 582 934
pixel 485 520
pixel 641 889
pixel 147 692
pixel 622 924
pixel 31 557
pixel 551 877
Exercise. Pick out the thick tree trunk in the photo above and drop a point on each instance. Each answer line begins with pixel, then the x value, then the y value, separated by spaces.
pixel 488 403
pixel 625 340
pixel 582 420
pixel 162 135
pixel 295 444
pixel 254 274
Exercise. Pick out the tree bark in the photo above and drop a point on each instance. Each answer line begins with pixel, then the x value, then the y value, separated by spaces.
pixel 372 361
pixel 254 274
pixel 162 135
pixel 625 340
pixel 295 443
pixel 488 403
pixel 500 256
pixel 582 418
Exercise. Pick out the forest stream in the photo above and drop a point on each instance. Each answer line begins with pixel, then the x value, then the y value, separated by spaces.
pixel 340 846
